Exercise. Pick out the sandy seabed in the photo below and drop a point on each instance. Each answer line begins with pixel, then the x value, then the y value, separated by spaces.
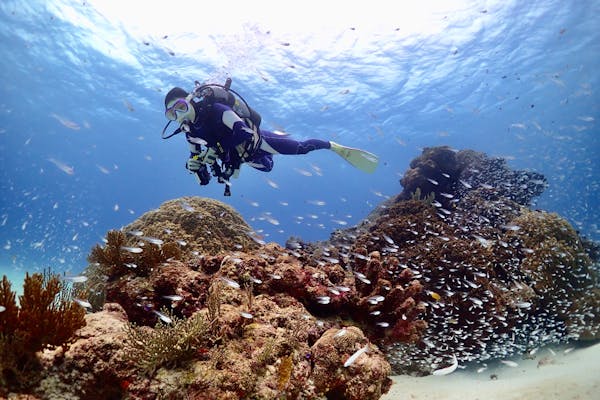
pixel 561 376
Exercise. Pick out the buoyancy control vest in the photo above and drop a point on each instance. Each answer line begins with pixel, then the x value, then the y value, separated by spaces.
pixel 208 94
pixel 205 95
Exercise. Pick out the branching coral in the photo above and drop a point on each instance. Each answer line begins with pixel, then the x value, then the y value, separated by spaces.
pixel 46 316
pixel 122 255
pixel 8 318
pixel 167 345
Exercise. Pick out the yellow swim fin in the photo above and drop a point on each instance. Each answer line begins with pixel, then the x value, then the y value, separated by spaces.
pixel 360 159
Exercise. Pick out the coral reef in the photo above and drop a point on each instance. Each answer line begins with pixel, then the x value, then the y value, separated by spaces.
pixel 457 265
pixel 199 225
pixel 348 382
pixel 46 316
pixel 95 365
pixel 498 278
pixel 444 170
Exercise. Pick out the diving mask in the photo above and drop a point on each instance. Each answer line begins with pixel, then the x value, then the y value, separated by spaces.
pixel 181 110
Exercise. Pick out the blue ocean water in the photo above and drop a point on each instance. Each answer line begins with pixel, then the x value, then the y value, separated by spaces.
pixel 81 109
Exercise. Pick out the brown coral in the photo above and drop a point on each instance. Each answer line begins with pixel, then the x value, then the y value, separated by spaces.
pixel 95 365
pixel 486 264
pixel 337 378
pixel 9 318
pixel 46 317
pixel 122 255
pixel 201 225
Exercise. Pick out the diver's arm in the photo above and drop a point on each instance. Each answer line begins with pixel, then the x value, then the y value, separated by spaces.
pixel 240 132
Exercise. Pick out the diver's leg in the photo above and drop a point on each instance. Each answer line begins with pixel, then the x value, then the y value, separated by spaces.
pixel 262 161
pixel 276 144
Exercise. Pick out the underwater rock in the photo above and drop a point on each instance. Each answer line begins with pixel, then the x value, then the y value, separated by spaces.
pixel 497 278
pixel 554 260
pixel 425 172
pixel 259 308
pixel 445 171
pixel 140 296
pixel 363 374
pixel 457 265
pixel 47 315
pixel 200 225
pixel 93 366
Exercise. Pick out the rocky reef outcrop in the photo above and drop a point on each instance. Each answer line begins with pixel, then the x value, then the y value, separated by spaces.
pixel 498 278
pixel 190 302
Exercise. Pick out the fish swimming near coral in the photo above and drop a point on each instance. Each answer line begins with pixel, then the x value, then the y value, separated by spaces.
pixel 83 303
pixel 447 370
pixel 76 279
pixel 135 250
pixel 230 282
pixel 152 240
pixel 173 297
pixel 355 356
pixel 164 318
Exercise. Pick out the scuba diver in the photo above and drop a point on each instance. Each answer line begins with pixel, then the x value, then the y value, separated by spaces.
pixel 223 132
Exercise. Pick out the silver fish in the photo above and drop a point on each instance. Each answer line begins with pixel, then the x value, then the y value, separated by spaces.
pixel 173 297
pixel 341 332
pixel 163 317
pixel 523 304
pixel 355 356
pixel 76 279
pixel 388 239
pixel 230 282
pixel 135 250
pixel 83 303
pixel 186 206
pixel 447 370
pixel 466 184
pixel 509 363
pixel 152 240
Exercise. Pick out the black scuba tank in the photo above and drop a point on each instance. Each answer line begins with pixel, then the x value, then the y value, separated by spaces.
pixel 215 93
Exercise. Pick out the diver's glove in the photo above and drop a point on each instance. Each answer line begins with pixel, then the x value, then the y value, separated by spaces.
pixel 193 163
pixel 203 175
pixel 208 156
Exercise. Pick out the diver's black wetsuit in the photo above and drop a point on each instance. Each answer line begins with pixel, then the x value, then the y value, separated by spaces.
pixel 219 128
